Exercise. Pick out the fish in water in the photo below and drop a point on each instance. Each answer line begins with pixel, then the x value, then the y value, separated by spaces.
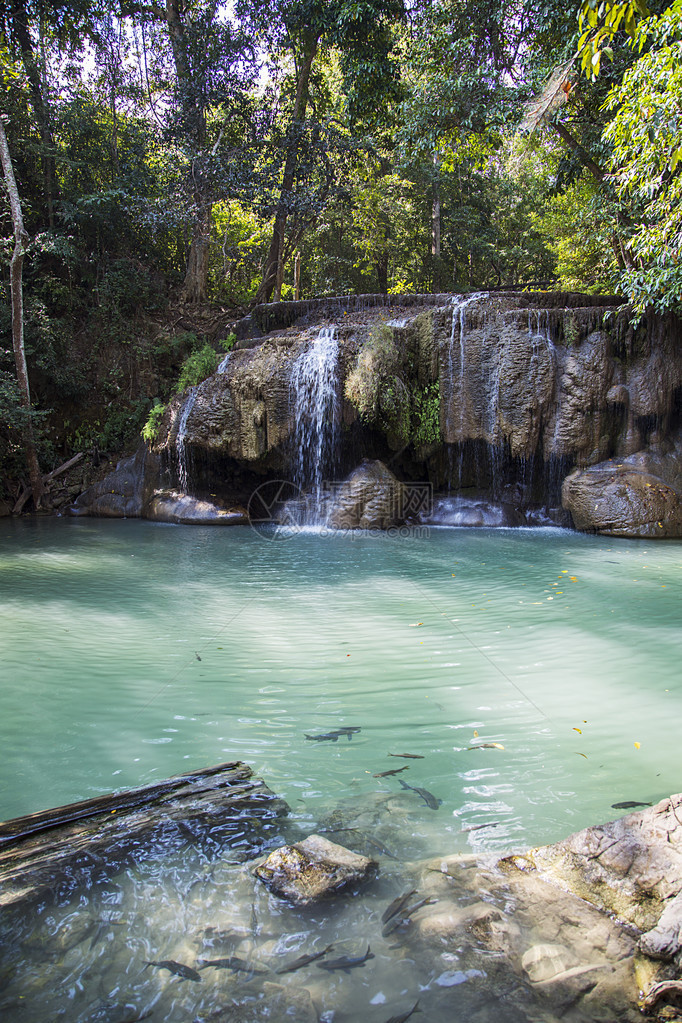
pixel 348 732
pixel 427 796
pixel 402 919
pixel 379 847
pixel 629 804
pixel 479 827
pixel 386 774
pixel 230 963
pixel 346 963
pixel 197 655
pixel 179 969
pixel 304 960
pixel 335 735
pixel 487 745
pixel 397 905
pixel 407 756
pixel 402 1016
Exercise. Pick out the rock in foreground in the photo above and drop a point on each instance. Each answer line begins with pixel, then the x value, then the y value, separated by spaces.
pixel 631 867
pixel 312 870
pixel 371 498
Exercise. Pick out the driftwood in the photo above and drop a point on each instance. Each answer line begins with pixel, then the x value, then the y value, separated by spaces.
pixel 223 805
pixel 26 492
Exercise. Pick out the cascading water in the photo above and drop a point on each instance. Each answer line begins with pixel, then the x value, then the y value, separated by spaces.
pixel 315 400
pixel 222 368
pixel 456 358
pixel 180 445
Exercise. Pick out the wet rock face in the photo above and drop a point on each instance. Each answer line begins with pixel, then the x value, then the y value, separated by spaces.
pixel 312 870
pixel 553 382
pixel 125 492
pixel 371 498
pixel 636 496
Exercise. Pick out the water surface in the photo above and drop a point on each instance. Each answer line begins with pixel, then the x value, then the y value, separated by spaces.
pixel 133 651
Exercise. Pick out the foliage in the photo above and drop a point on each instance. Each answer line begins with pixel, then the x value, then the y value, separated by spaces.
pixel 646 134
pixel 150 430
pixel 198 365
pixel 382 389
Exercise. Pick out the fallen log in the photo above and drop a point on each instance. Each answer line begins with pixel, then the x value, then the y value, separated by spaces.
pixel 26 492
pixel 50 850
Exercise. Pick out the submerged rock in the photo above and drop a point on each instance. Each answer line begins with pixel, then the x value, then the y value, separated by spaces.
pixel 312 870
pixel 371 498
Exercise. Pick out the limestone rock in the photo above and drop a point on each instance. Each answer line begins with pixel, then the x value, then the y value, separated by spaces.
pixel 664 941
pixel 124 492
pixel 313 869
pixel 637 496
pixel 631 867
pixel 544 962
pixel 371 498
pixel 171 506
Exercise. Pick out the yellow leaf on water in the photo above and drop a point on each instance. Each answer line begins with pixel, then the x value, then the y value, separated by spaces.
pixel 637 745
pixel 564 571
pixel 475 734
pixel 414 625
pixel 578 730
pixel 581 755
pixel 573 578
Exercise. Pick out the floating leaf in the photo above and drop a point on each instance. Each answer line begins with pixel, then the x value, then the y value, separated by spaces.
pixel 475 734
pixel 578 730
pixel 415 625
pixel 637 745
pixel 582 755
pixel 573 578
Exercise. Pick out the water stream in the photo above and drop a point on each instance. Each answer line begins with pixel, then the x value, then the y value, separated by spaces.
pixel 314 394
pixel 180 444
pixel 134 651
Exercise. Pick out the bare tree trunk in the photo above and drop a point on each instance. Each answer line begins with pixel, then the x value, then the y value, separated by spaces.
pixel 22 34
pixel 275 256
pixel 17 292
pixel 195 287
pixel 435 227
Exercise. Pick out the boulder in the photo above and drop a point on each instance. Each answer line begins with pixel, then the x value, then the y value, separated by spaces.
pixel 172 506
pixel 124 492
pixel 636 496
pixel 631 867
pixel 371 498
pixel 312 870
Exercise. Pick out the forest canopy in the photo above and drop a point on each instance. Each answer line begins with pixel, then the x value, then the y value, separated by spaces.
pixel 185 153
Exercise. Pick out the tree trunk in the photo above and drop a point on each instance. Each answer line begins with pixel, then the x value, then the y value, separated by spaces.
pixel 297 276
pixel 623 257
pixel 195 287
pixel 22 35
pixel 435 226
pixel 275 254
pixel 17 292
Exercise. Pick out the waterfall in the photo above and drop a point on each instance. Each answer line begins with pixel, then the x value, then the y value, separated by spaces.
pixel 223 365
pixel 180 446
pixel 315 400
pixel 459 304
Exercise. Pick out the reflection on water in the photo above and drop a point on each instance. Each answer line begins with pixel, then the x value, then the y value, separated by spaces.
pixel 526 672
